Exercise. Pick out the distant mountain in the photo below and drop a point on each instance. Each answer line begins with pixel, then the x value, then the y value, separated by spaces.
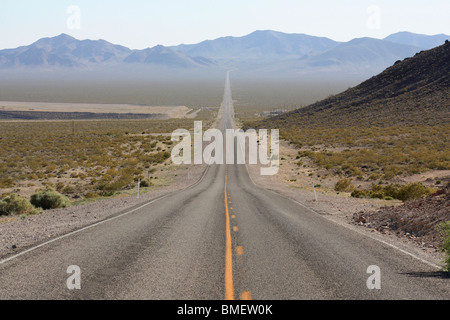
pixel 414 91
pixel 276 52
pixel 418 40
pixel 266 45
pixel 161 55
pixel 362 53
pixel 64 51
pixel 269 52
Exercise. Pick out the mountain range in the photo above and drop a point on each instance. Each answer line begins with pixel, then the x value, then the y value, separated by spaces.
pixel 259 51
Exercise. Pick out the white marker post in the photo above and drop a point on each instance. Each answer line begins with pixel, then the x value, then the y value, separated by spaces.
pixel 315 194
pixel 139 187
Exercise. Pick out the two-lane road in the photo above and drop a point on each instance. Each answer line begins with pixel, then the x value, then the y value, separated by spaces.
pixel 222 238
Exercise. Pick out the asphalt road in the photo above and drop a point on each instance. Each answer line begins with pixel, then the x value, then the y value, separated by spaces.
pixel 222 238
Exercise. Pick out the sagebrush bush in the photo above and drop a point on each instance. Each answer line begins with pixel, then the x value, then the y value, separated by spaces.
pixel 413 191
pixel 16 205
pixel 6 183
pixel 49 199
pixel 405 192
pixel 146 183
pixel 344 185
pixel 159 157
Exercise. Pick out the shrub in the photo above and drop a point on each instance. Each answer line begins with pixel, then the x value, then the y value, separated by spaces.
pixel 413 191
pixel 145 183
pixel 159 157
pixel 125 178
pixel 6 183
pixel 14 204
pixel 344 185
pixel 49 199
pixel 359 194
pixel 91 195
pixel 393 191
pixel 444 230
pixel 60 186
pixel 68 190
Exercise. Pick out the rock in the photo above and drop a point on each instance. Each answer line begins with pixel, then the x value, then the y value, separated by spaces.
pixel 360 218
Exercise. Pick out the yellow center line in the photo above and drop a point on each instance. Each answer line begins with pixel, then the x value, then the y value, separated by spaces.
pixel 246 295
pixel 229 287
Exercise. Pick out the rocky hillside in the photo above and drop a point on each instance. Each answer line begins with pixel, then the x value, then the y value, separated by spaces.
pixel 415 91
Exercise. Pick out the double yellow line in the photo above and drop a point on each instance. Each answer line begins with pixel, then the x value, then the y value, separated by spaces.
pixel 229 286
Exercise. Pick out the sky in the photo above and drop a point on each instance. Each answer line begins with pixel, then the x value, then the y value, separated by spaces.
pixel 140 24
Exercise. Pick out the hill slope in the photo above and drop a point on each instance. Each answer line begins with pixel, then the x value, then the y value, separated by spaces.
pixel 413 91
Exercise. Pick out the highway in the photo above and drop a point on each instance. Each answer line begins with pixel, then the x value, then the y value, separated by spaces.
pixel 222 238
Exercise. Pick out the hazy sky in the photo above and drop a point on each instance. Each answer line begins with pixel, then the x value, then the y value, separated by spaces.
pixel 139 24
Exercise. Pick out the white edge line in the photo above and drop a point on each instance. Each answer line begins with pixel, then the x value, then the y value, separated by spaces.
pixel 100 222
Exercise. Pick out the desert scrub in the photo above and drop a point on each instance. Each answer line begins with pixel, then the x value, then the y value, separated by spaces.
pixel 368 151
pixel 53 149
pixel 16 205
pixel 444 230
pixel 404 192
pixel 344 185
pixel 49 199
